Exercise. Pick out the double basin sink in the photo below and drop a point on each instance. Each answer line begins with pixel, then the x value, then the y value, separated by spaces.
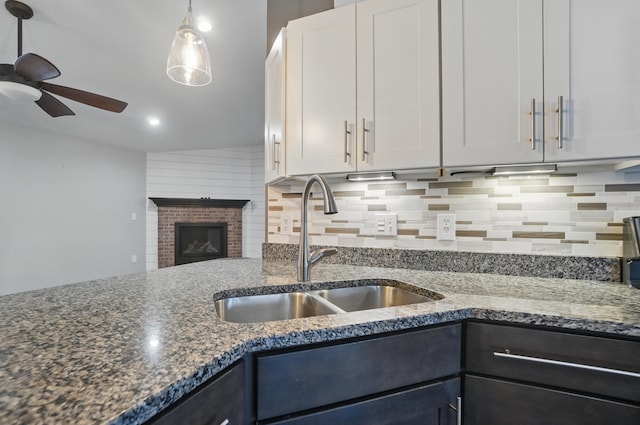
pixel 337 297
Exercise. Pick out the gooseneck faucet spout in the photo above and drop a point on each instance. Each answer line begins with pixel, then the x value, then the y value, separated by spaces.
pixel 306 260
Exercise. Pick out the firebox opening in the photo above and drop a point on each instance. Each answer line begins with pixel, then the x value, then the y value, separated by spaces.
pixel 200 242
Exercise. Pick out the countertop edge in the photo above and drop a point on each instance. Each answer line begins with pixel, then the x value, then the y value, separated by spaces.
pixel 155 404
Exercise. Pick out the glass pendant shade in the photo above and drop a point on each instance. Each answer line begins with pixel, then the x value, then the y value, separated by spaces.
pixel 188 61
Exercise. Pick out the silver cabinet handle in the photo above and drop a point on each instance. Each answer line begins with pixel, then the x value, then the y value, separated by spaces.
pixel 560 121
pixel 275 161
pixel 567 364
pixel 225 422
pixel 347 133
pixel 458 409
pixel 533 124
pixel 365 130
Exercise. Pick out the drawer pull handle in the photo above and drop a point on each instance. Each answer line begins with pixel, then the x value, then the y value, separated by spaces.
pixel 365 130
pixel 275 157
pixel 533 124
pixel 347 133
pixel 458 409
pixel 560 122
pixel 225 422
pixel 567 364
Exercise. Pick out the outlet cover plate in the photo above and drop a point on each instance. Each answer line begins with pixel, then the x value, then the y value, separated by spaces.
pixel 446 227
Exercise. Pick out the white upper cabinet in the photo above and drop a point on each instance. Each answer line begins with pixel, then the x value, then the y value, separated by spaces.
pixel 321 89
pixel 491 82
pixel 365 83
pixel 503 59
pixel 398 92
pixel 592 60
pixel 275 80
pixel 377 109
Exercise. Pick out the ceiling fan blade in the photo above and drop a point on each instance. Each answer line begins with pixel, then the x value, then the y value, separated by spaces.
pixel 53 106
pixel 85 97
pixel 35 68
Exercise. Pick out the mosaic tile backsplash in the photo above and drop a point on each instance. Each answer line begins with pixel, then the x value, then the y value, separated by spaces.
pixel 570 214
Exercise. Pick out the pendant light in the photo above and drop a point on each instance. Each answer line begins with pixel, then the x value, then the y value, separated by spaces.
pixel 188 61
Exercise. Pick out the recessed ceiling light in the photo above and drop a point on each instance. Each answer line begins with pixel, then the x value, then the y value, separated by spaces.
pixel 153 121
pixel 203 24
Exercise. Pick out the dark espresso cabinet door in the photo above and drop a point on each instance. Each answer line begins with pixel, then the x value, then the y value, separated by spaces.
pixel 496 402
pixel 424 405
pixel 221 401
pixel 528 376
pixel 315 377
pixel 606 367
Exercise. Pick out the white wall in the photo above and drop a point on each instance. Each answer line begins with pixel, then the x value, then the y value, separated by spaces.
pixel 230 173
pixel 65 210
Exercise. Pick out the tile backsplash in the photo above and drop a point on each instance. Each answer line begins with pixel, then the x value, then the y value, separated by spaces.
pixel 577 213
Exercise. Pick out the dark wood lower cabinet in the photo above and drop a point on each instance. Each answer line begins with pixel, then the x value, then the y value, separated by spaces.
pixel 221 401
pixel 497 402
pixel 513 375
pixel 316 376
pixel 424 405
pixel 529 376
pixel 606 367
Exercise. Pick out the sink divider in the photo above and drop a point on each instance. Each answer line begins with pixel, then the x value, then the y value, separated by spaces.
pixel 326 303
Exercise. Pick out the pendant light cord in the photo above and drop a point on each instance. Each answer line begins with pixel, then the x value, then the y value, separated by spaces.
pixel 20 36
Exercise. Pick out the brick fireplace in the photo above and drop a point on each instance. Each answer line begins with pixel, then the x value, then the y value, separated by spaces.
pixel 180 210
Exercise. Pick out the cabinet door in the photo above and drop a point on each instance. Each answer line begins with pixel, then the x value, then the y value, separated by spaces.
pixel 275 81
pixel 496 402
pixel 591 61
pixel 398 84
pixel 364 368
pixel 321 92
pixel 590 364
pixel 220 401
pixel 425 405
pixel 491 78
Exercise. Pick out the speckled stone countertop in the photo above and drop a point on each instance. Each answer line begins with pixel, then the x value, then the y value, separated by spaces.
pixel 119 350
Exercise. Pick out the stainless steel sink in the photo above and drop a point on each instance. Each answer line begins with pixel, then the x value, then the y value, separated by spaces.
pixel 269 307
pixel 321 299
pixel 371 296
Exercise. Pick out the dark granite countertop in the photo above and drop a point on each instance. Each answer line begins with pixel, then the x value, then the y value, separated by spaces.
pixel 118 350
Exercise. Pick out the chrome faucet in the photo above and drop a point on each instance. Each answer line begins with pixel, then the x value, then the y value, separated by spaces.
pixel 305 261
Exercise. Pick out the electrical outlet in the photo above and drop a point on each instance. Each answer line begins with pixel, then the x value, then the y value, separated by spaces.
pixel 286 224
pixel 134 258
pixel 446 227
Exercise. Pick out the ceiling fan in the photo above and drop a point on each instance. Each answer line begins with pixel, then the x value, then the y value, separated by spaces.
pixel 25 78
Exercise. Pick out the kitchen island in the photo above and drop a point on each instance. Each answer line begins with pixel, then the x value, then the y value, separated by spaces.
pixel 120 350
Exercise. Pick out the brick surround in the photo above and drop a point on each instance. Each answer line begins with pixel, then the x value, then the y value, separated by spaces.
pixel 169 215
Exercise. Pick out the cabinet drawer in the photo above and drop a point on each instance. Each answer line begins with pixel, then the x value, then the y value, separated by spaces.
pixel 604 366
pixel 495 402
pixel 294 381
pixel 220 401
pixel 426 405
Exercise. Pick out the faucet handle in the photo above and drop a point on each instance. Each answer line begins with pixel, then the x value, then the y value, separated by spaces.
pixel 318 254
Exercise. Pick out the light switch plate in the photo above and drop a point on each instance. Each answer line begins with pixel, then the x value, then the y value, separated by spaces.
pixel 286 224
pixel 387 224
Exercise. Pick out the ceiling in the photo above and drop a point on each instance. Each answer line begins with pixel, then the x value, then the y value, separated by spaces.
pixel 118 48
